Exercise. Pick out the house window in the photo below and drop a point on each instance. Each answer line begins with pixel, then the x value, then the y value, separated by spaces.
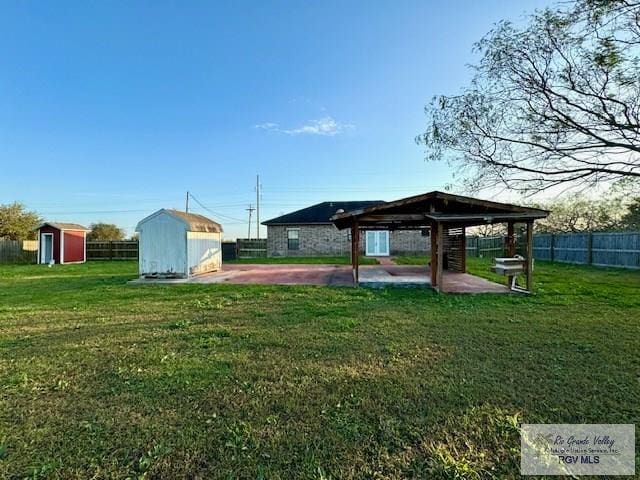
pixel 293 239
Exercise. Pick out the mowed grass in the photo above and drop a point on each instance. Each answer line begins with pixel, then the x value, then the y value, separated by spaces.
pixel 336 260
pixel 100 379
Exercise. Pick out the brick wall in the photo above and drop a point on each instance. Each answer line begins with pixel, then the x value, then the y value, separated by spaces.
pixel 318 240
pixel 409 242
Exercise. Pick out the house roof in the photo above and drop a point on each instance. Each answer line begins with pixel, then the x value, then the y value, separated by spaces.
pixel 195 222
pixel 319 213
pixel 64 226
pixel 421 210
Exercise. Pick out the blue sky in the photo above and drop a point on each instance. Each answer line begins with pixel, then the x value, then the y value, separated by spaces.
pixel 111 110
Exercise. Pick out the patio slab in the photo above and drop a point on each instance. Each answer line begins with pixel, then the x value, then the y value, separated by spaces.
pixel 340 275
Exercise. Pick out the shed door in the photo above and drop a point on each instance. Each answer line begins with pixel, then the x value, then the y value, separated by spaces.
pixel 47 248
pixel 377 243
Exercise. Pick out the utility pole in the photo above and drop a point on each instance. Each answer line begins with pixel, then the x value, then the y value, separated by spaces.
pixel 258 207
pixel 250 210
pixel 186 207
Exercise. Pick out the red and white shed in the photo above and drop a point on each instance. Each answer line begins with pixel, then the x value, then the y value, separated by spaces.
pixel 62 243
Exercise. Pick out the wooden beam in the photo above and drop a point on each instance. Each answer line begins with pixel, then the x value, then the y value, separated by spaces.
pixel 510 247
pixel 355 252
pixel 464 250
pixel 440 246
pixel 353 255
pixel 529 256
pixel 434 255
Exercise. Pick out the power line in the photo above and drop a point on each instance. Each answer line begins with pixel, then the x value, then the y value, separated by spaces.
pixel 218 214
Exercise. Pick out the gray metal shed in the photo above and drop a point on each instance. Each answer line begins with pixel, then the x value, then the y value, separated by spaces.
pixel 178 244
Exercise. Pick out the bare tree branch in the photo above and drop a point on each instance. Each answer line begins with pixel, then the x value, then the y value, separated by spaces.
pixel 557 102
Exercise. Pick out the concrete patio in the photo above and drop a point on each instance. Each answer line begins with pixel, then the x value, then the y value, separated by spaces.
pixel 373 276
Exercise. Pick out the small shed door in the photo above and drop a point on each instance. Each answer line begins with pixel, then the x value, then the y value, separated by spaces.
pixel 377 243
pixel 46 255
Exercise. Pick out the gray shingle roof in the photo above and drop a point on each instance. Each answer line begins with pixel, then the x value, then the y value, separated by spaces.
pixel 319 213
pixel 64 226
pixel 197 223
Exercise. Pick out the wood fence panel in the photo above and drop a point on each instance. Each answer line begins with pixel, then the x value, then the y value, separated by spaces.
pixel 571 248
pixel 115 250
pixel 603 249
pixel 253 248
pixel 472 246
pixel 491 246
pixel 18 251
pixel 542 246
pixel 616 249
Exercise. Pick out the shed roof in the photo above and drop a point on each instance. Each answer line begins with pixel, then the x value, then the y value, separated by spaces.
pixel 64 226
pixel 421 210
pixel 194 222
pixel 320 213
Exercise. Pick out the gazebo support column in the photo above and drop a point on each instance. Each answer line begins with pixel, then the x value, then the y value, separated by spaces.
pixel 464 250
pixel 510 247
pixel 436 256
pixel 440 246
pixel 529 256
pixel 355 252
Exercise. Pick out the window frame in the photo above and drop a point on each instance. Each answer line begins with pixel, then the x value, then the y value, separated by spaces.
pixel 293 243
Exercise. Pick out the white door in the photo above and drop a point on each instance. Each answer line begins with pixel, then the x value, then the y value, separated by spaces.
pixel 377 243
pixel 47 248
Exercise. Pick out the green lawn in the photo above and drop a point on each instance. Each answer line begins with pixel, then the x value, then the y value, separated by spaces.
pixel 305 260
pixel 100 379
pixel 412 260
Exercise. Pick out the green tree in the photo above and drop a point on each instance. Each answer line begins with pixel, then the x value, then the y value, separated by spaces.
pixel 17 223
pixel 578 214
pixel 105 232
pixel 556 102
pixel 631 219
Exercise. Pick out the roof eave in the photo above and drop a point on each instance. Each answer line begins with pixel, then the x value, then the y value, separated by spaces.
pixel 281 224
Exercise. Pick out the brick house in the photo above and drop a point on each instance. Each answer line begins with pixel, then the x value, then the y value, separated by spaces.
pixel 310 232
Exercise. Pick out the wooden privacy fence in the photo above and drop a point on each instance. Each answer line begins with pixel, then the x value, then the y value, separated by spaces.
pixel 603 249
pixel 114 250
pixel 18 251
pixel 251 248
pixel 485 246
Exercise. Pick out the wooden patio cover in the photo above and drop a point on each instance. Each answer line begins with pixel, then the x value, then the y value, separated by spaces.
pixel 440 212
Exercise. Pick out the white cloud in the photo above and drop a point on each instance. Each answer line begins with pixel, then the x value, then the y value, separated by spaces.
pixel 267 126
pixel 326 126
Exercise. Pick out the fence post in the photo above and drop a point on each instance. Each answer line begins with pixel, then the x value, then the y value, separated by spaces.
pixel 110 249
pixel 589 248
pixel 552 247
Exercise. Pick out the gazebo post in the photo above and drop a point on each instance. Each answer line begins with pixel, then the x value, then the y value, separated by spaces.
pixel 511 247
pixel 355 252
pixel 434 255
pixel 464 250
pixel 440 262
pixel 437 278
pixel 529 255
